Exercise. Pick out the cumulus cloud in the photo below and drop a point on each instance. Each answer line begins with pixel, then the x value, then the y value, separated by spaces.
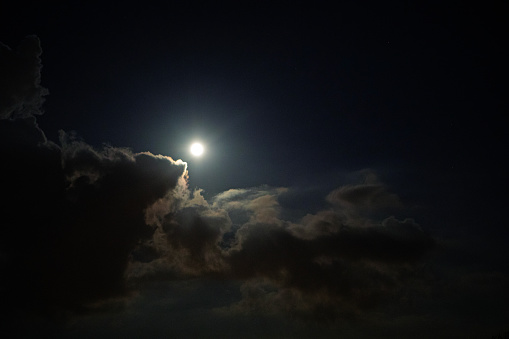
pixel 72 217
pixel 324 266
pixel 83 225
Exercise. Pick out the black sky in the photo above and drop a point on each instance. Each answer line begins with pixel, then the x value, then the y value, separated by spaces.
pixel 353 182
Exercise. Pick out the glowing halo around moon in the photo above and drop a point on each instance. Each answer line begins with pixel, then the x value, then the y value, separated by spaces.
pixel 197 149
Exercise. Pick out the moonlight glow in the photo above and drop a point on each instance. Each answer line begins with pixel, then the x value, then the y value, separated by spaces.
pixel 197 149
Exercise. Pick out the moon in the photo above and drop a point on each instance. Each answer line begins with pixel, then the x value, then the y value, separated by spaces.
pixel 197 149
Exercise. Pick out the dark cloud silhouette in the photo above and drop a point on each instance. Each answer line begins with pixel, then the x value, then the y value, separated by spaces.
pixel 324 266
pixel 82 226
pixel 340 268
pixel 72 216
pixel 193 234
pixel 21 93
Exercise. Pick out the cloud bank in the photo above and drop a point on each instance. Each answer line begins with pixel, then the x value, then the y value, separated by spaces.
pixel 83 226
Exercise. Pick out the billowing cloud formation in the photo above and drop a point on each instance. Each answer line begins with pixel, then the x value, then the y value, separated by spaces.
pixel 72 216
pixel 331 263
pixel 82 226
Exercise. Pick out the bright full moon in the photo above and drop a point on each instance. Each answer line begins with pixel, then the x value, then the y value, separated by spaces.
pixel 197 149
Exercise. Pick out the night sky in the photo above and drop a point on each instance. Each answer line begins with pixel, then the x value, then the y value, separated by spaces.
pixel 353 184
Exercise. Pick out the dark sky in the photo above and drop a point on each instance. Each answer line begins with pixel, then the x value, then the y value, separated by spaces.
pixel 353 182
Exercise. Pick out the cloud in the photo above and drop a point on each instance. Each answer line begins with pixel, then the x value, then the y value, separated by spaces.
pixel 193 235
pixel 356 267
pixel 103 220
pixel 325 265
pixel 82 226
pixel 72 218
pixel 369 199
pixel 21 93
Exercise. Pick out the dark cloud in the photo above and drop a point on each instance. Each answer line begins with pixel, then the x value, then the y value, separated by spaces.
pixel 72 217
pixel 349 269
pixel 82 226
pixel 21 93
pixel 193 235
pixel 368 199
pixel 324 266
